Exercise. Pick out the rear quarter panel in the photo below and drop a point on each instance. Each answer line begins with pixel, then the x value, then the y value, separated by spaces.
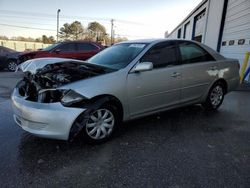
pixel 229 70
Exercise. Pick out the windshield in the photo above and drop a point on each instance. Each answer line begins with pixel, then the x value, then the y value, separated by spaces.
pixel 118 56
pixel 50 47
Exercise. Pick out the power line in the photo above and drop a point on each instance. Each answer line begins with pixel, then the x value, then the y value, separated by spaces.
pixel 24 22
pixel 27 13
pixel 62 17
pixel 52 16
pixel 27 18
pixel 25 27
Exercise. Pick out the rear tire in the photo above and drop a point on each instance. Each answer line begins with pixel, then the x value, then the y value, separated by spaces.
pixel 11 65
pixel 215 97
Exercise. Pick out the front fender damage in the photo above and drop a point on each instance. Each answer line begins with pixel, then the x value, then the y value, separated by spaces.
pixel 82 119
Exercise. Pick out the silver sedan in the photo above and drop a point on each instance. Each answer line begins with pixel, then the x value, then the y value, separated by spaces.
pixel 63 98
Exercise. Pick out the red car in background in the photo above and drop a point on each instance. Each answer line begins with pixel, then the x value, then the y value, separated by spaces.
pixel 81 50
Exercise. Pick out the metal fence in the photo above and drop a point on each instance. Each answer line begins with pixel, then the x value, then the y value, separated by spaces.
pixel 22 45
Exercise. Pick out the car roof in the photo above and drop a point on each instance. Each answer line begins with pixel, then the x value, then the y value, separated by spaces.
pixel 215 54
pixel 82 41
pixel 149 41
pixel 145 41
pixel 78 41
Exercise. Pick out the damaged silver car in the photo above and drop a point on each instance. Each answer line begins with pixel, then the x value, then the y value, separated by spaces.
pixel 62 98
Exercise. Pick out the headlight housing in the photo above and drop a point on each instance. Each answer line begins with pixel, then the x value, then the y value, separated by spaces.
pixel 71 97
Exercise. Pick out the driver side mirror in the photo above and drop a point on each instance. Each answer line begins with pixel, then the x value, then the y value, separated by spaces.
pixel 143 66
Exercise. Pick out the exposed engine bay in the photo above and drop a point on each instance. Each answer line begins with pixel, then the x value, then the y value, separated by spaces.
pixel 41 86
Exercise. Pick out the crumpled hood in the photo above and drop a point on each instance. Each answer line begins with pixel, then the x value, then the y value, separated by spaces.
pixel 34 64
pixel 44 76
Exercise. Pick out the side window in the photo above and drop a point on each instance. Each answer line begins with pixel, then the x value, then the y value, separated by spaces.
pixel 86 47
pixel 192 53
pixel 69 47
pixel 161 55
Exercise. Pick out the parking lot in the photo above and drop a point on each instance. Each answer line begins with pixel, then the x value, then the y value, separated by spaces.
pixel 187 147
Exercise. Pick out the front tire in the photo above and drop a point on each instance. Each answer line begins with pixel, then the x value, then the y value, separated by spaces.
pixel 215 97
pixel 99 124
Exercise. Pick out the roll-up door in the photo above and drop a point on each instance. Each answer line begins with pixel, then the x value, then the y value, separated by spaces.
pixel 236 33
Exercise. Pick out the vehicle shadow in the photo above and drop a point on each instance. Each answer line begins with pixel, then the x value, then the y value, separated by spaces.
pixel 48 155
pixel 175 121
pixel 4 70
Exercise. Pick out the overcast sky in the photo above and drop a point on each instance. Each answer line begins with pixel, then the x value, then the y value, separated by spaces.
pixel 133 18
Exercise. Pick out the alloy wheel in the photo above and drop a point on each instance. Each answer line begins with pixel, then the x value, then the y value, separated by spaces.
pixel 216 95
pixel 12 66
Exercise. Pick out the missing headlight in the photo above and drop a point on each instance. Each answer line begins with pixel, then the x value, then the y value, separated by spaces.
pixel 49 96
pixel 71 97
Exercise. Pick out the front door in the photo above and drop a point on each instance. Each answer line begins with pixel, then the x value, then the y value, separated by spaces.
pixel 158 88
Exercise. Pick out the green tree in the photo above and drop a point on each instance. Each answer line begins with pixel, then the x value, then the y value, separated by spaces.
pixel 38 40
pixel 48 40
pixel 120 39
pixel 97 31
pixel 4 38
pixel 52 40
pixel 73 31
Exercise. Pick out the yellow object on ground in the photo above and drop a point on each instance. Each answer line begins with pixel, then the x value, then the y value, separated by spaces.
pixel 244 66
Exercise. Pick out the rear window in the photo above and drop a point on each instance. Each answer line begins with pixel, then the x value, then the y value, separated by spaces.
pixel 192 53
pixel 69 47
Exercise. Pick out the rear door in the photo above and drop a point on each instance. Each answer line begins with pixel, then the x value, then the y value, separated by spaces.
pixel 158 88
pixel 66 50
pixel 86 50
pixel 199 69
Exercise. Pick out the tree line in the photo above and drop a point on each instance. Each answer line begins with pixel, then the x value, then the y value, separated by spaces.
pixel 74 31
pixel 44 39
pixel 94 32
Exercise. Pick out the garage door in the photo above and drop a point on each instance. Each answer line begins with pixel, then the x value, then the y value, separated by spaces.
pixel 187 31
pixel 236 34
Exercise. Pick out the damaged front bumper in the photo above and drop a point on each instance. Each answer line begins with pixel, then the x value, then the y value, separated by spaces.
pixel 48 120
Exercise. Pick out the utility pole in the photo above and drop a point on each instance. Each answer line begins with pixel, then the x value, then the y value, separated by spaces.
pixel 112 32
pixel 58 11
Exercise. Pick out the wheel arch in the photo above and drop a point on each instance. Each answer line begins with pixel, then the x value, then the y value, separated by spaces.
pixel 11 59
pixel 223 82
pixel 220 80
pixel 93 104
pixel 106 98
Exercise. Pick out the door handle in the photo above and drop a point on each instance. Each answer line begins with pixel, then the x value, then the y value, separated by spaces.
pixel 213 68
pixel 175 74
